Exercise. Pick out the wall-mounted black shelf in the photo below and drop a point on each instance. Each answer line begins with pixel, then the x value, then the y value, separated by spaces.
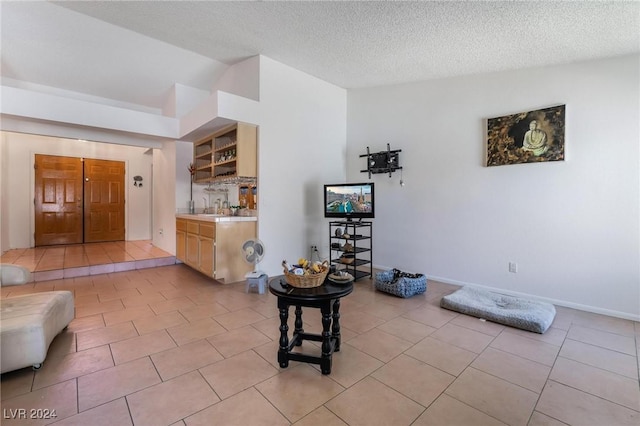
pixel 382 162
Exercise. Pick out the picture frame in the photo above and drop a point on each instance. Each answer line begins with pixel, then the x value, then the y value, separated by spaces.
pixel 526 137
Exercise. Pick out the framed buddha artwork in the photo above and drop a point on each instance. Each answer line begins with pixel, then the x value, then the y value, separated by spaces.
pixel 526 137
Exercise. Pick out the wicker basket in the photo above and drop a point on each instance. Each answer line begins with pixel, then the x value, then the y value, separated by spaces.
pixel 307 281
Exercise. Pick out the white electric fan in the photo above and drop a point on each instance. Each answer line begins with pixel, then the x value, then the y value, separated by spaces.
pixel 253 251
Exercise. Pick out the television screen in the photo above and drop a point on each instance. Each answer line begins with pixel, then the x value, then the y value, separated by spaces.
pixel 349 200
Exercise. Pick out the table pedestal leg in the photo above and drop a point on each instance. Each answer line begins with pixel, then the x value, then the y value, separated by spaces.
pixel 283 359
pixel 335 328
pixel 298 325
pixel 325 361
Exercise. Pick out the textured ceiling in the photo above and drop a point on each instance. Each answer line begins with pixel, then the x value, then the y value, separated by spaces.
pixel 135 51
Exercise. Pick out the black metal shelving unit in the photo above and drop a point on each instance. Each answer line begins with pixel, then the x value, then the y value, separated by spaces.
pixel 360 239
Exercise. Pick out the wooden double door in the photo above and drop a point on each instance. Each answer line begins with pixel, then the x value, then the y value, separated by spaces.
pixel 78 200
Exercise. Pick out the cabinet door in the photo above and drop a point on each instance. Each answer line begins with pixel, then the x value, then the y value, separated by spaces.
pixel 207 256
pixel 193 250
pixel 181 239
pixel 181 245
pixel 230 264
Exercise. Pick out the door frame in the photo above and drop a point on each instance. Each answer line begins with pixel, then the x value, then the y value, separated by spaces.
pixel 32 192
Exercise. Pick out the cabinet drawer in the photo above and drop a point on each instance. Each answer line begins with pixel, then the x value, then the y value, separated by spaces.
pixel 207 230
pixel 192 227
pixel 181 225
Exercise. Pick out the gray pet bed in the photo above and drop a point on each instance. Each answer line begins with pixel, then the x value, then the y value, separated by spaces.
pixel 507 310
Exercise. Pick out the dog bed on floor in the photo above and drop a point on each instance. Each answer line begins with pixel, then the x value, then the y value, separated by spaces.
pixel 507 310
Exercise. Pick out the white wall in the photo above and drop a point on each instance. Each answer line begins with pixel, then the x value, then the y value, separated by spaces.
pixel 164 197
pixel 4 188
pixel 572 226
pixel 18 193
pixel 302 140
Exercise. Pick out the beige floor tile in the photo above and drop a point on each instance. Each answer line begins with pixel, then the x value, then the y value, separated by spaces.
pixel 431 316
pixel 60 400
pixel 129 314
pixel 553 336
pixel 320 416
pixel 524 347
pixel 63 344
pixel 235 411
pixel 102 336
pixel 159 322
pixel 112 383
pixel 509 403
pixel 14 383
pixel 575 407
pixel 350 365
pixel 184 359
pixel 196 330
pixel 539 419
pixel 270 327
pixel 144 299
pixel 109 414
pixel 462 337
pixel 239 318
pixel 98 308
pixel 357 321
pixel 604 339
pixel 477 324
pixel 610 386
pixel 73 365
pixel 298 390
pixel 141 346
pixel 384 310
pixel 406 329
pixel 371 402
pixel 446 357
pixel 237 373
pixel 239 340
pixel 449 411
pixel 520 371
pixel 596 356
pixel 203 311
pixel 86 323
pixel 380 345
pixel 114 294
pixel 172 305
pixel 604 323
pixel 168 402
pixel 414 379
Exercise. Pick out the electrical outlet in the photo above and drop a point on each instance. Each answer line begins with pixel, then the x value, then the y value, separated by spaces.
pixel 314 248
pixel 161 231
pixel 513 267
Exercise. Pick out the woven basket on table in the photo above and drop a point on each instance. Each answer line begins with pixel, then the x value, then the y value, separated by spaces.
pixel 307 281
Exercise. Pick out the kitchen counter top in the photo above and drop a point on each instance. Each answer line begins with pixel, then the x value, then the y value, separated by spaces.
pixel 216 218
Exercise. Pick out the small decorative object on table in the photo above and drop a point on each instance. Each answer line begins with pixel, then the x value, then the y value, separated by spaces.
pixel 305 274
pixel 401 284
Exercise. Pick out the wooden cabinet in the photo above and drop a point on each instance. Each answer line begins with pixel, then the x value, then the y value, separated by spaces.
pixel 228 153
pixel 213 248
pixel 181 240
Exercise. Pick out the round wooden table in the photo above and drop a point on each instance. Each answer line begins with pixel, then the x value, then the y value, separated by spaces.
pixel 326 297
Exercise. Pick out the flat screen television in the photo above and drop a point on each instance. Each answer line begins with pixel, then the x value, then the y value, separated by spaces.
pixel 349 201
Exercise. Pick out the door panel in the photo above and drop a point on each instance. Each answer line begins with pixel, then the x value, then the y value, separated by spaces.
pixel 58 200
pixel 103 200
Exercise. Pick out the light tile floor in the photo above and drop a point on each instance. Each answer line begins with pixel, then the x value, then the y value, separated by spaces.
pixel 70 261
pixel 167 346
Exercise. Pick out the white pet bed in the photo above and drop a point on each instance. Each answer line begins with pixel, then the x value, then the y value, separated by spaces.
pixel 507 310
pixel 28 325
